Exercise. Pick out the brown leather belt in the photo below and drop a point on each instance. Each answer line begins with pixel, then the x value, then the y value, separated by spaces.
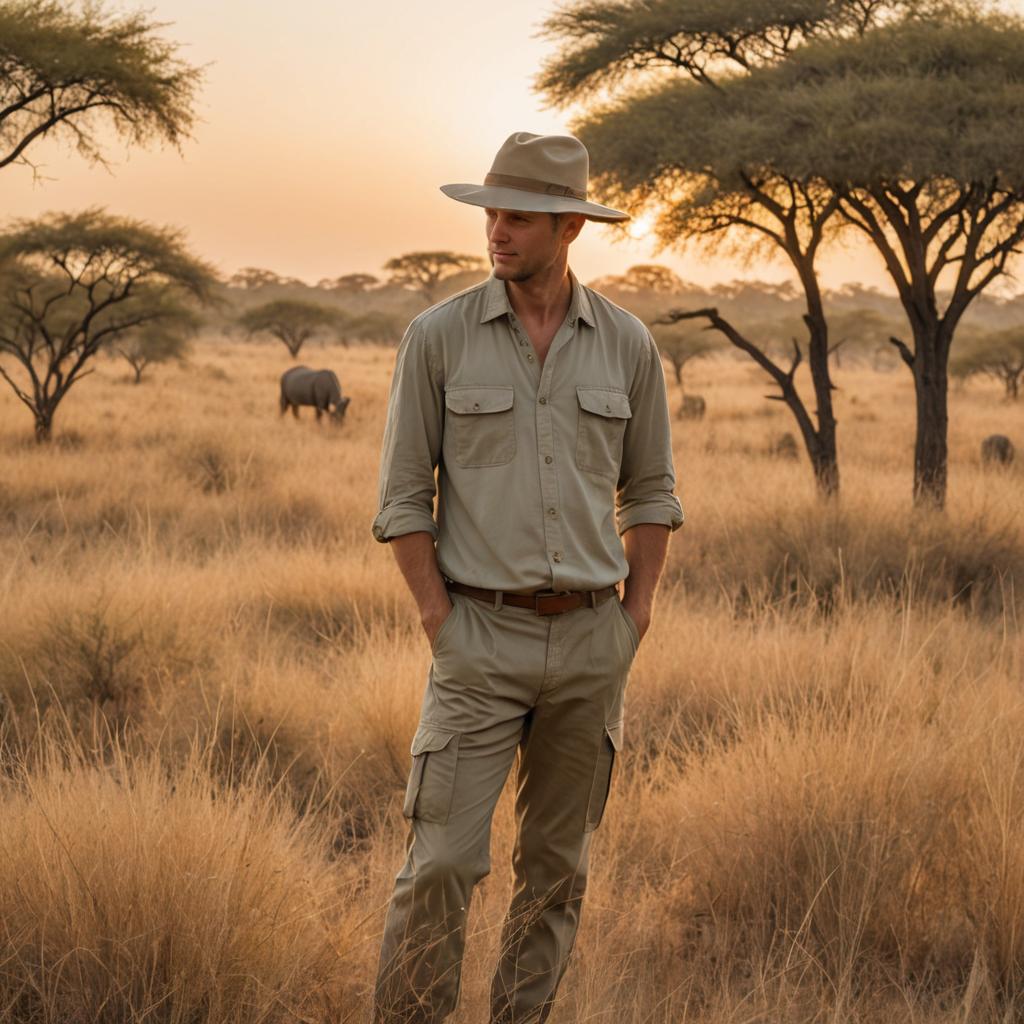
pixel 543 602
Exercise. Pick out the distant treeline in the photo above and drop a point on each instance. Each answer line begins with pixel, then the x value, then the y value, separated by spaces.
pixel 863 317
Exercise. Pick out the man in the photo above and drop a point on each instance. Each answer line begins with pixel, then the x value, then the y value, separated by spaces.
pixel 542 407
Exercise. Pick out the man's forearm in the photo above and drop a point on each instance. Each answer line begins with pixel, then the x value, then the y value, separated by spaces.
pixel 417 561
pixel 645 546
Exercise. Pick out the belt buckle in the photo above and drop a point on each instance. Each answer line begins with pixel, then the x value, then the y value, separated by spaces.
pixel 541 596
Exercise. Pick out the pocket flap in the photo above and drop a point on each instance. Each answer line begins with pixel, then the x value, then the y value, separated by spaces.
pixel 470 400
pixel 429 737
pixel 604 402
pixel 614 730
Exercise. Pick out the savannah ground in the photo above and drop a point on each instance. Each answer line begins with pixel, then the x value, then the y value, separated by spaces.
pixel 210 674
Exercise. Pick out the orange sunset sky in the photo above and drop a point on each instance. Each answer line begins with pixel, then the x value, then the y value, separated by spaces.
pixel 326 128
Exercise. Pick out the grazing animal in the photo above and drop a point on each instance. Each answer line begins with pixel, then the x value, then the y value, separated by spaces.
pixel 319 388
pixel 784 447
pixel 997 448
pixel 693 407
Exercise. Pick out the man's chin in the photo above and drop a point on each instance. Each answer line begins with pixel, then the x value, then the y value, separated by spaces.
pixel 507 273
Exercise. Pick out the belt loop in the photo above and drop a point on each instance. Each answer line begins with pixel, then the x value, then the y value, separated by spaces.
pixel 498 598
pixel 593 598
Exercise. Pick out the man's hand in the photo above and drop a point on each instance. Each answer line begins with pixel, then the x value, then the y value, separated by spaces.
pixel 433 618
pixel 645 547
pixel 417 561
pixel 639 613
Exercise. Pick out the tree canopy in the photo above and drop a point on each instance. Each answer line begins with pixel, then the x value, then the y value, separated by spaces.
pixel 650 277
pixel 72 71
pixel 424 271
pixel 348 284
pixel 606 42
pixel 254 278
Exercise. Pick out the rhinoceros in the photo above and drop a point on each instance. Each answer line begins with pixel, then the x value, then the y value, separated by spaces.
pixel 997 449
pixel 693 407
pixel 319 388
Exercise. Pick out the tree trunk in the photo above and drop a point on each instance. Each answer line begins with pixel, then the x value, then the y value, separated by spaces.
pixel 825 463
pixel 931 445
pixel 822 446
pixel 44 425
pixel 823 454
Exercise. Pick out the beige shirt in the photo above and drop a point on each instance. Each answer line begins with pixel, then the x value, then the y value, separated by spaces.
pixel 538 470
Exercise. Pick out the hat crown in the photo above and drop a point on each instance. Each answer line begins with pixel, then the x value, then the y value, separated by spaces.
pixel 539 174
pixel 554 159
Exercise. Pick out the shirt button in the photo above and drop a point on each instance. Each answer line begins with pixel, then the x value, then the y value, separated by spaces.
pixel 556 556
pixel 476 405
pixel 530 358
pixel 543 400
pixel 548 459
pixel 552 511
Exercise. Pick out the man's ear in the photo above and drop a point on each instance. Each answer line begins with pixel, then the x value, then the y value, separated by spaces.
pixel 572 226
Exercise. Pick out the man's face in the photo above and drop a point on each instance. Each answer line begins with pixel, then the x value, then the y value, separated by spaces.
pixel 521 244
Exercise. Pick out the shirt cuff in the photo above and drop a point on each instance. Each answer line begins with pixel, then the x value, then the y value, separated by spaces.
pixel 661 511
pixel 398 519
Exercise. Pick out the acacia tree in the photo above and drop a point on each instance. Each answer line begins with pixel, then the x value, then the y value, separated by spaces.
pixel 680 347
pixel 156 342
pixel 927 160
pixel 650 277
pixel 425 271
pixel 292 321
pixel 866 115
pixel 348 284
pixel 71 283
pixel 76 71
pixel 697 146
pixel 998 354
pixel 253 278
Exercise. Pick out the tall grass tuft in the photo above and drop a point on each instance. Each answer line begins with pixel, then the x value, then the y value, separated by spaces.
pixel 132 893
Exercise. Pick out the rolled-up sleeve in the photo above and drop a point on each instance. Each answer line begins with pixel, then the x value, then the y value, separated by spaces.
pixel 412 442
pixel 647 478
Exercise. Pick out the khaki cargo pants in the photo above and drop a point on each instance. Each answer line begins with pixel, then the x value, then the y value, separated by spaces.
pixel 501 681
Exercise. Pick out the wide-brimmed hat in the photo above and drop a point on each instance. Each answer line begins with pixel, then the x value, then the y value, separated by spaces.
pixel 538 173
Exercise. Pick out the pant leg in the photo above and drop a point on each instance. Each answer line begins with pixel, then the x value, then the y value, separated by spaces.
pixel 486 671
pixel 566 761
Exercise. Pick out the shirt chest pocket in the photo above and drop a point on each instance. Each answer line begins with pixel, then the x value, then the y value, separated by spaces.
pixel 603 413
pixel 480 424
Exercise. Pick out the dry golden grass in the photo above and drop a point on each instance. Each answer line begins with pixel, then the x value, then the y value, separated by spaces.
pixel 209 675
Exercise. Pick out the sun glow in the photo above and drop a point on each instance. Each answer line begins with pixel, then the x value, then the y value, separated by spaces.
pixel 640 227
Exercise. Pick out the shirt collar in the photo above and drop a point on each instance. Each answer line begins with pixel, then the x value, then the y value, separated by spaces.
pixel 496 301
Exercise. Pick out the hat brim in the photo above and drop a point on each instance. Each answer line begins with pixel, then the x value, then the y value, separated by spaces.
pixel 499 198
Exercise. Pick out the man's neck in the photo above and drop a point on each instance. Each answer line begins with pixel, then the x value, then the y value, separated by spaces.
pixel 542 299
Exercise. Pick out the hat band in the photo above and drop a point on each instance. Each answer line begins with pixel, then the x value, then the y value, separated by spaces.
pixel 535 185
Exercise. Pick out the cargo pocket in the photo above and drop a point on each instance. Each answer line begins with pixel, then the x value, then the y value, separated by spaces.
pixel 602 423
pixel 481 424
pixel 428 797
pixel 611 744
